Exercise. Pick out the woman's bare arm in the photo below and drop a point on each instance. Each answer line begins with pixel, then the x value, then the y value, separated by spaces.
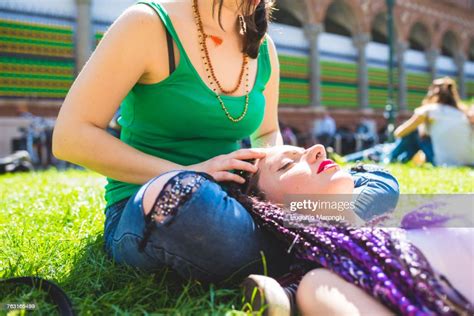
pixel 410 125
pixel 116 65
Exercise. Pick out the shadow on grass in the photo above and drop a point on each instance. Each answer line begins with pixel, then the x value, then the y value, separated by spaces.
pixel 97 285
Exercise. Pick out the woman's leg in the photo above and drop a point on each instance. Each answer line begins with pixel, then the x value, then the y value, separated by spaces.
pixel 321 292
pixel 209 237
pixel 427 147
pixel 405 148
pixel 450 251
pixel 374 153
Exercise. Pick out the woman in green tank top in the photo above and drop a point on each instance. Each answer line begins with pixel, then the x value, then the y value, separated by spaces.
pixel 190 117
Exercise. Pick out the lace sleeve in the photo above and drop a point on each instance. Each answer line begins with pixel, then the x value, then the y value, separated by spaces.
pixel 174 194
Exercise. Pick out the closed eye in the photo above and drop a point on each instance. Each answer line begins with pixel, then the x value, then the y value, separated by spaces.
pixel 286 165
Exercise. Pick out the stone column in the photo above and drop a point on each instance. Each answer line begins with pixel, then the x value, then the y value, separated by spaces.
pixel 360 41
pixel 83 33
pixel 402 79
pixel 312 32
pixel 460 60
pixel 431 57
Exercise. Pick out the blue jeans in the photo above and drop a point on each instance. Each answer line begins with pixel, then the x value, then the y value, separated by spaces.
pixel 213 237
pixel 401 151
pixel 408 146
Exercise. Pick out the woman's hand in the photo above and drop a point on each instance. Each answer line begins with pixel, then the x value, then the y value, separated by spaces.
pixel 219 166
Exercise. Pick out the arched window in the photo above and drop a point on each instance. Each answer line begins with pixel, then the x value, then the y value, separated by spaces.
pixel 420 37
pixel 340 19
pixel 449 44
pixel 379 28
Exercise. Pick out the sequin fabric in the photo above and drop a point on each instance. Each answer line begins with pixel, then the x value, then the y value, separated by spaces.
pixel 175 193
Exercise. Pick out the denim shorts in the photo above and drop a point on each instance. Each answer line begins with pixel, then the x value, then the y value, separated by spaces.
pixel 213 237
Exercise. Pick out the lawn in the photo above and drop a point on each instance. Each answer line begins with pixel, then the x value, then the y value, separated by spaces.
pixel 51 225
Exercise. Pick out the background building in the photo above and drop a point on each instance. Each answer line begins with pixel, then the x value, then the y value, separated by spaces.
pixel 333 54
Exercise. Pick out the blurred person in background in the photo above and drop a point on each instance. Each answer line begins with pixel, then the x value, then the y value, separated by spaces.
pixel 366 134
pixel 445 119
pixel 324 130
pixel 442 128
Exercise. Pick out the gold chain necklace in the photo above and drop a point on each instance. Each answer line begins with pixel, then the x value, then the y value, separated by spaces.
pixel 210 70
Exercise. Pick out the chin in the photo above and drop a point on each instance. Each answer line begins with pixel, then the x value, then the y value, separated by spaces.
pixel 342 183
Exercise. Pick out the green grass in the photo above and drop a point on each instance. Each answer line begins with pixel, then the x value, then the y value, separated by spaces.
pixel 51 225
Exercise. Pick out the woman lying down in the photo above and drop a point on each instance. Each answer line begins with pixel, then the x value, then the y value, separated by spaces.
pixel 338 267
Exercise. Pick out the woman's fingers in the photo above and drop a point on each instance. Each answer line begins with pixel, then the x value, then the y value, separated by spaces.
pixel 240 165
pixel 248 153
pixel 227 176
pixel 218 166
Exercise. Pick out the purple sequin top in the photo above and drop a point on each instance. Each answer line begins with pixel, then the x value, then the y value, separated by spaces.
pixel 379 260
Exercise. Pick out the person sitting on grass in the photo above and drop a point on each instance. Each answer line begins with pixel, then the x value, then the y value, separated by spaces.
pixel 445 125
pixel 164 59
pixel 192 78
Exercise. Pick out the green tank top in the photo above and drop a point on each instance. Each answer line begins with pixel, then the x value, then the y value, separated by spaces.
pixel 180 119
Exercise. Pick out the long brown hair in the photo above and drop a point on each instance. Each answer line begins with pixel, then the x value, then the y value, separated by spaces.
pixel 444 91
pixel 257 23
pixel 249 188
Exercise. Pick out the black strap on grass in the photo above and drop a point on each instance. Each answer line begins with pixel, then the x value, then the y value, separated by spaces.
pixel 55 293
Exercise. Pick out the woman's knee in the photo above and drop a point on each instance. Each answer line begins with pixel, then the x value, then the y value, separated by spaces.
pixel 318 295
pixel 321 292
pixel 154 188
pixel 152 227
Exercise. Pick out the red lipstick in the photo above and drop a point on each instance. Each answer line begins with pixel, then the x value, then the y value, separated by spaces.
pixel 325 165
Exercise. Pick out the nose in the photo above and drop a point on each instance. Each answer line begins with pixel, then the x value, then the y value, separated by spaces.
pixel 315 153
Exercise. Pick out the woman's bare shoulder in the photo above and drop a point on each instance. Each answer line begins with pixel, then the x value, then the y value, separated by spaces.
pixel 140 26
pixel 141 15
pixel 172 7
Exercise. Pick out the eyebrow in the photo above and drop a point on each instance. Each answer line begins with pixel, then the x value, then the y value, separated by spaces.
pixel 285 154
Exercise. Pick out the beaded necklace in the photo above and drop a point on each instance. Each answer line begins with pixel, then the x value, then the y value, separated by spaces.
pixel 210 70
